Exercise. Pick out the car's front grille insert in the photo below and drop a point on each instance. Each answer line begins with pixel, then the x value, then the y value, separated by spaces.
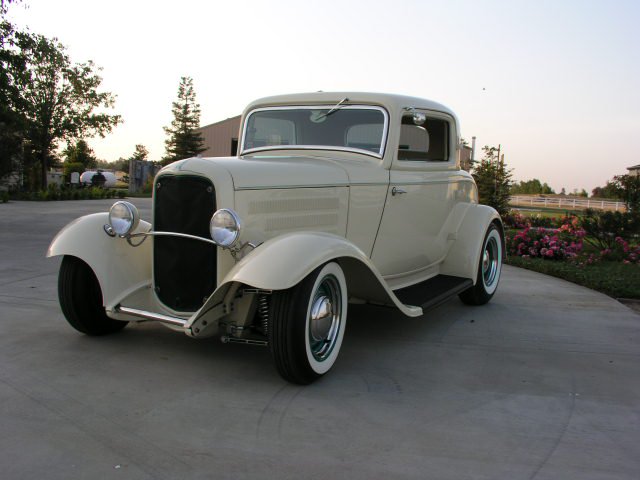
pixel 184 269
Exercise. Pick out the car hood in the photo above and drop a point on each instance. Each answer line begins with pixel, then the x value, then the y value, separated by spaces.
pixel 254 172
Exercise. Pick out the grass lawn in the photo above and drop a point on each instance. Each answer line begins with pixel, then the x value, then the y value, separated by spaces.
pixel 546 212
pixel 612 278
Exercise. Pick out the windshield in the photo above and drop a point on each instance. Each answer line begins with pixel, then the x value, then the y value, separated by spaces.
pixel 353 128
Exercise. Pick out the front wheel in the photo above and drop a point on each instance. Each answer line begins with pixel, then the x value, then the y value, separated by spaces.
pixel 489 269
pixel 81 299
pixel 306 324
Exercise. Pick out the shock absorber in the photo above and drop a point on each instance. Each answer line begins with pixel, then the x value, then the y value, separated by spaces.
pixel 263 313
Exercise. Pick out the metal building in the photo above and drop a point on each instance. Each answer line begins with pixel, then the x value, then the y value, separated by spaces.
pixel 221 138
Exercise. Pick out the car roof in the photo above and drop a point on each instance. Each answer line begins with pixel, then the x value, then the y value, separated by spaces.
pixel 391 102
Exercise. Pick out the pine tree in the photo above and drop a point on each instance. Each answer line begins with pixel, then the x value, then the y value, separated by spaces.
pixel 140 153
pixel 493 180
pixel 184 141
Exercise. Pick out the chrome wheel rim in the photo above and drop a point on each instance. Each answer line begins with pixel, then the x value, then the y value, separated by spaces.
pixel 324 318
pixel 490 262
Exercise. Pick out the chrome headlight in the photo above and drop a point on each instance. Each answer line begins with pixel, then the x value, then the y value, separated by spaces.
pixel 123 218
pixel 225 228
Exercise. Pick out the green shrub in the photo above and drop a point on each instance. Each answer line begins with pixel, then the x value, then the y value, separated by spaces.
pixel 604 227
pixel 54 192
pixel 148 187
pixel 516 220
pixel 70 167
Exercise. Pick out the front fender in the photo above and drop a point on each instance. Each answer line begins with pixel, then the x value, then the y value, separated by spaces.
pixel 284 261
pixel 120 268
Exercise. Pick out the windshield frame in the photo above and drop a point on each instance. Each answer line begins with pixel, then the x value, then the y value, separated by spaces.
pixel 379 154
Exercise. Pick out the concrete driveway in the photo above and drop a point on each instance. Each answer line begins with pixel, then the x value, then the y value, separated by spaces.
pixel 542 383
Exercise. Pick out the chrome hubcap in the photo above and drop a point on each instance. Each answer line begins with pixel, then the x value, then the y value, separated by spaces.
pixel 321 318
pixel 490 259
pixel 324 318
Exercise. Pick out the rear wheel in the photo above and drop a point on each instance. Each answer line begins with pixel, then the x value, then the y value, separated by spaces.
pixel 81 299
pixel 489 269
pixel 306 325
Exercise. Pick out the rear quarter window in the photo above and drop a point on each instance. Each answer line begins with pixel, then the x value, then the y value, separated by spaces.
pixel 426 142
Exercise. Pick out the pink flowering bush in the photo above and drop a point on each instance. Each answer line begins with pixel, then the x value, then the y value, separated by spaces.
pixel 623 251
pixel 552 244
pixel 560 238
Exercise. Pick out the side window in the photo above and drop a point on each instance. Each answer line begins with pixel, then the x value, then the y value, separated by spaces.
pixel 426 140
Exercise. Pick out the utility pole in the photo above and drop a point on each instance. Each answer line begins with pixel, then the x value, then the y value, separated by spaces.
pixel 496 169
pixel 473 149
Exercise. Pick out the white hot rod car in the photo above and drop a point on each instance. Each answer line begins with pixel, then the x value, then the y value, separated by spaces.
pixel 333 198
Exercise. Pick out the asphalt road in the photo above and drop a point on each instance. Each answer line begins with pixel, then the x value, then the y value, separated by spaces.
pixel 542 383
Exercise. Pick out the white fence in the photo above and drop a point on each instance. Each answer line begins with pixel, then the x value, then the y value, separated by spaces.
pixel 568 203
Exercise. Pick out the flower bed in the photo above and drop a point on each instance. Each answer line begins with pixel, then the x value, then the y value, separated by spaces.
pixel 622 251
pixel 568 252
pixel 549 243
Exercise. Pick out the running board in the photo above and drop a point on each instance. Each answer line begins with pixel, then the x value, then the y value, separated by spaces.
pixel 158 317
pixel 433 292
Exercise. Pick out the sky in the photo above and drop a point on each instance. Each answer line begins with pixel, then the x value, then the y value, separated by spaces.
pixel 555 83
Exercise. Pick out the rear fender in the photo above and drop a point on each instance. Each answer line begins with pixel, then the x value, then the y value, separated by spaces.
pixel 463 257
pixel 120 268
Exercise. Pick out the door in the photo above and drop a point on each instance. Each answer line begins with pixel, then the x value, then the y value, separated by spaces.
pixel 423 191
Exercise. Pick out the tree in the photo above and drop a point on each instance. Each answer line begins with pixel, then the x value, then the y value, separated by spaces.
pixel 140 153
pixel 493 180
pixel 4 5
pixel 610 190
pixel 184 141
pixel 533 186
pixel 80 153
pixel 629 188
pixel 57 99
pixel 12 123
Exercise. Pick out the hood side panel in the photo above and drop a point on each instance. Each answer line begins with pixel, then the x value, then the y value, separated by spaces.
pixel 269 213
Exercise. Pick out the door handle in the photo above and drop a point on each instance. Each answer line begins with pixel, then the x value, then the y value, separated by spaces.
pixel 397 191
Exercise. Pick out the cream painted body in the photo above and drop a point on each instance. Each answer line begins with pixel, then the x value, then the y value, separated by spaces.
pixel 122 271
pixel 307 207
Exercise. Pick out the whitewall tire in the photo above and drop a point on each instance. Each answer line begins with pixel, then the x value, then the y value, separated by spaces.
pixel 307 324
pixel 489 269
